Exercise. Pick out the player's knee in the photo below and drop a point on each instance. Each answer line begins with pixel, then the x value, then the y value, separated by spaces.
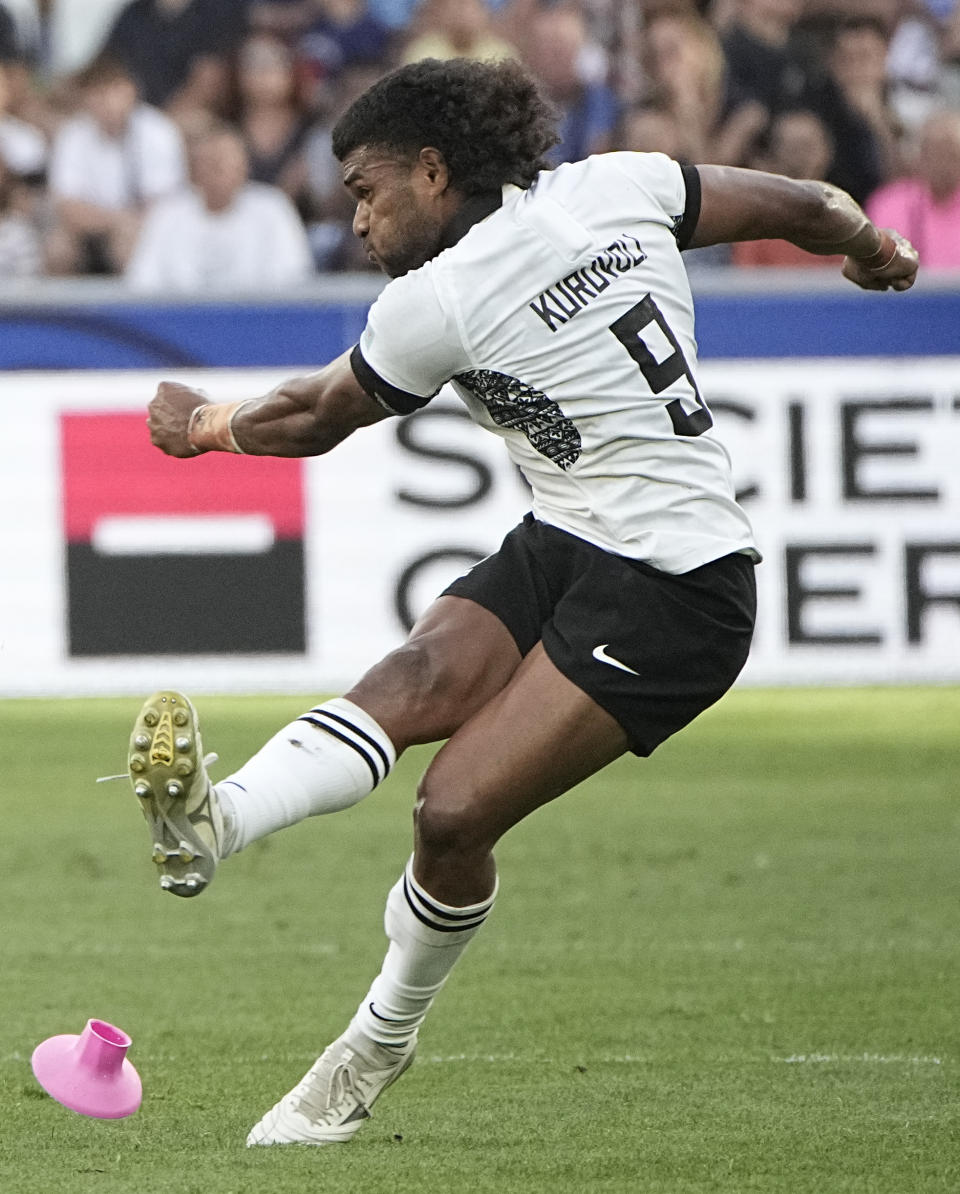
pixel 419 689
pixel 450 822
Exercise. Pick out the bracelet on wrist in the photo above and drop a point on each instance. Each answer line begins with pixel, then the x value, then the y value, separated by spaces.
pixel 888 250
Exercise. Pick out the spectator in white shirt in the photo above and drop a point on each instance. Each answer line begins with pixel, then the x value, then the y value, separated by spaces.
pixel 107 164
pixel 20 255
pixel 225 234
pixel 23 148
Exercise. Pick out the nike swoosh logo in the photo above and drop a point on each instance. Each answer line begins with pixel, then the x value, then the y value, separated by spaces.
pixel 385 1019
pixel 600 654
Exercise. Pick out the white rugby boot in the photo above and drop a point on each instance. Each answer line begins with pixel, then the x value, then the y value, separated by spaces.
pixel 169 777
pixel 334 1097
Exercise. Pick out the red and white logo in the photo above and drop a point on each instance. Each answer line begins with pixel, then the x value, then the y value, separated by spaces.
pixel 169 556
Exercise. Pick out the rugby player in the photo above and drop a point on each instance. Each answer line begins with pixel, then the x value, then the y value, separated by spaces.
pixel 556 305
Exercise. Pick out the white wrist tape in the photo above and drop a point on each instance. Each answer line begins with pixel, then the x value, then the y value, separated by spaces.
pixel 211 427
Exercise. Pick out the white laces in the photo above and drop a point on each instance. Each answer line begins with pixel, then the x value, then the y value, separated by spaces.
pixel 208 761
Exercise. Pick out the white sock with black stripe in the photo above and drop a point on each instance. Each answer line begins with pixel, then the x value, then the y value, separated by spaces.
pixel 426 939
pixel 325 761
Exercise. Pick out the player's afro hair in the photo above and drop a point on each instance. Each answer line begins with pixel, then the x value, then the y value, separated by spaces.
pixel 487 119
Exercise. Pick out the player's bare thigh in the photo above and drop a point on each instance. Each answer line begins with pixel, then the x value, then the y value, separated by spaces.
pixel 535 739
pixel 455 659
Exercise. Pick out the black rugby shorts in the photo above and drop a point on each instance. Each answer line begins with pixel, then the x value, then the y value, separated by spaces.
pixel 651 648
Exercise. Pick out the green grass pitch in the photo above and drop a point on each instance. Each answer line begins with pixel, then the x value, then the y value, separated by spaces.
pixel 733 967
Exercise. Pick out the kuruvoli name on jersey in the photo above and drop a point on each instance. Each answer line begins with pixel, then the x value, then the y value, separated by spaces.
pixel 561 301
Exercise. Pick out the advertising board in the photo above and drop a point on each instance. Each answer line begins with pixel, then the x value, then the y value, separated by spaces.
pixel 127 570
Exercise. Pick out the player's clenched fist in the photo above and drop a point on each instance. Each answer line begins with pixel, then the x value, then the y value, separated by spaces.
pixel 892 267
pixel 169 416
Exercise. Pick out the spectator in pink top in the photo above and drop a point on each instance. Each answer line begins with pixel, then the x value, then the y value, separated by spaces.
pixel 925 207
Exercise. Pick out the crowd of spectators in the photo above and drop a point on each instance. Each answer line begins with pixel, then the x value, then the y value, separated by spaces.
pixel 184 144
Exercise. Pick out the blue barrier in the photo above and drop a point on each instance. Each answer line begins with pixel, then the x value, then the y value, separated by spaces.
pixel 139 336
pixel 829 325
pixel 95 329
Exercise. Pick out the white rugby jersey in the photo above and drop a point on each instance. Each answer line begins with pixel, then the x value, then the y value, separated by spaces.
pixel 564 321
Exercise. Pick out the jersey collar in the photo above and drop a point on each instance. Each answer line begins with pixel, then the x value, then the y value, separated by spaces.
pixel 473 209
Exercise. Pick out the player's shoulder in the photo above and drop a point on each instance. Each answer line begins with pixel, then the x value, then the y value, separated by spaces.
pixel 411 304
pixel 638 166
pixel 413 337
pixel 644 183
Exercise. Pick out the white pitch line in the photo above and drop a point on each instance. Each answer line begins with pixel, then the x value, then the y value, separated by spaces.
pixel 859 1059
pixel 305 1058
pixel 115 949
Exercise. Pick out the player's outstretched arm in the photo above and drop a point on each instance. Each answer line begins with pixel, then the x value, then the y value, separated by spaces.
pixel 741 204
pixel 305 416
